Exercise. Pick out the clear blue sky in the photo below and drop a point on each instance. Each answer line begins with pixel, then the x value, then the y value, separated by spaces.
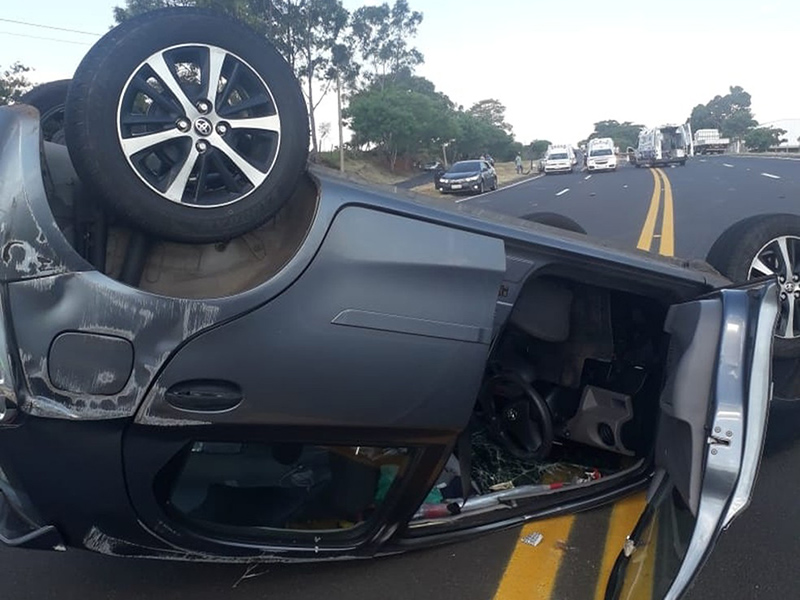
pixel 557 66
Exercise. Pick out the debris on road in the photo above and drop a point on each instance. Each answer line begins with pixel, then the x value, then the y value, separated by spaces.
pixel 533 539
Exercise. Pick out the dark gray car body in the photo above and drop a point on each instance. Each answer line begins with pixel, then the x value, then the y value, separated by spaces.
pixel 376 330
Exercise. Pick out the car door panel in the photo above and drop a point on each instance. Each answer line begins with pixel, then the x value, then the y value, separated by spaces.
pixel 709 440
pixel 377 349
pixel 380 323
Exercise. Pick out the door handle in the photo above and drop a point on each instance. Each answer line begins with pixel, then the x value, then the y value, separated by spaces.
pixel 204 395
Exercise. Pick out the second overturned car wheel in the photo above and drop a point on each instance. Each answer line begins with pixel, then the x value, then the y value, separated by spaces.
pixel 188 124
pixel 767 246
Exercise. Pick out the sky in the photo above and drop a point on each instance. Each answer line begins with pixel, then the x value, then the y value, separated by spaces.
pixel 558 67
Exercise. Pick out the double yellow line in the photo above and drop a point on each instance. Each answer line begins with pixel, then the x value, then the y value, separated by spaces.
pixel 662 187
pixel 542 572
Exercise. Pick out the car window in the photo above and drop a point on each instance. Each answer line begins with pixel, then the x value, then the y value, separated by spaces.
pixel 465 166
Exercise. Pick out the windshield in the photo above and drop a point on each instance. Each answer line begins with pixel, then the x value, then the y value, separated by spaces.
pixel 468 166
pixel 601 152
pixel 558 156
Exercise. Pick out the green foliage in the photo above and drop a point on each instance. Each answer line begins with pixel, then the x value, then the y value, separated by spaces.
pixel 14 83
pixel 138 7
pixel 624 134
pixel 478 136
pixel 381 35
pixel 492 111
pixel 762 139
pixel 537 148
pixel 731 114
pixel 399 121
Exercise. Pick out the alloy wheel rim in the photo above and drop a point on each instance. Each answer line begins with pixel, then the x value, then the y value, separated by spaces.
pixel 780 258
pixel 199 126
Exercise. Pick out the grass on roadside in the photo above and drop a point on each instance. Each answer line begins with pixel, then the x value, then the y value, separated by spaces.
pixel 364 167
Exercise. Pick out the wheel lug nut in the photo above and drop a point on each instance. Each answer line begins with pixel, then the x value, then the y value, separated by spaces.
pixel 782 279
pixel 183 124
pixel 783 296
pixel 204 106
pixel 796 278
pixel 202 146
pixel 222 128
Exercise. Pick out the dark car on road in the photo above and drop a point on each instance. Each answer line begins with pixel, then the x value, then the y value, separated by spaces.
pixel 468 176
pixel 211 351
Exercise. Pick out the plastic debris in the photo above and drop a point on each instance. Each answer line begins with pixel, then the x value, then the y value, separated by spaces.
pixel 499 487
pixel 533 539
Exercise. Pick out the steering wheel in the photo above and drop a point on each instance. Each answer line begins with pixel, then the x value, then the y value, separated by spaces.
pixel 517 416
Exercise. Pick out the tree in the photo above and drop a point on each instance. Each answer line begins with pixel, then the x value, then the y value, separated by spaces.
pixel 492 111
pixel 14 83
pixel 381 35
pixel 762 139
pixel 138 7
pixel 477 136
pixel 537 148
pixel 624 134
pixel 324 131
pixel 399 121
pixel 731 114
pixel 320 24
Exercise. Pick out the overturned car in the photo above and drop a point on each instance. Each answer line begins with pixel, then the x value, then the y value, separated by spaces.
pixel 212 352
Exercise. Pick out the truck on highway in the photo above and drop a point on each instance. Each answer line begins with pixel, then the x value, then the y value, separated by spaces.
pixel 665 145
pixel 709 141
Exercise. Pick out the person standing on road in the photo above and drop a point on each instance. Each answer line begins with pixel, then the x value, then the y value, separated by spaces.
pixel 518 163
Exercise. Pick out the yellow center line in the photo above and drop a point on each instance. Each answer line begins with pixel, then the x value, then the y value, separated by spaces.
pixel 623 519
pixel 531 571
pixel 667 220
pixel 639 577
pixel 646 237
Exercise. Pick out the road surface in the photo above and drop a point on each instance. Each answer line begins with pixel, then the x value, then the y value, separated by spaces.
pixel 678 211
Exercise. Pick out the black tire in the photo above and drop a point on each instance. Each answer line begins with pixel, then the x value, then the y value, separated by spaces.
pixel 232 198
pixel 49 99
pixel 734 251
pixel 554 220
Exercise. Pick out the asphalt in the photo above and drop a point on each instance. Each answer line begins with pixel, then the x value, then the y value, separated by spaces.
pixel 755 558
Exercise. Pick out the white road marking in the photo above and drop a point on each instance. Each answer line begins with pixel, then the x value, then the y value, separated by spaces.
pixel 702 160
pixel 771 176
pixel 500 189
pixel 727 165
pixel 562 192
pixel 587 177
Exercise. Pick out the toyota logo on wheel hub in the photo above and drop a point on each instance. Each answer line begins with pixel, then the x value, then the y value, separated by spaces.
pixel 203 127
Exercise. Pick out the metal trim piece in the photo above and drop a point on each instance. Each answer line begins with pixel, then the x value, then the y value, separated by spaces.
pixel 725 462
pixel 412 326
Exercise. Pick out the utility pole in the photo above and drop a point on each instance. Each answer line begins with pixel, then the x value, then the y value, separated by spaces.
pixel 341 126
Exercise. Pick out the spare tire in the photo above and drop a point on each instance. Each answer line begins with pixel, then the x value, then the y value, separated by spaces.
pixel 187 124
pixel 48 99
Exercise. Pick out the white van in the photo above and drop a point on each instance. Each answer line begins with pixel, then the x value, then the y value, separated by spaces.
pixel 600 155
pixel 559 159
